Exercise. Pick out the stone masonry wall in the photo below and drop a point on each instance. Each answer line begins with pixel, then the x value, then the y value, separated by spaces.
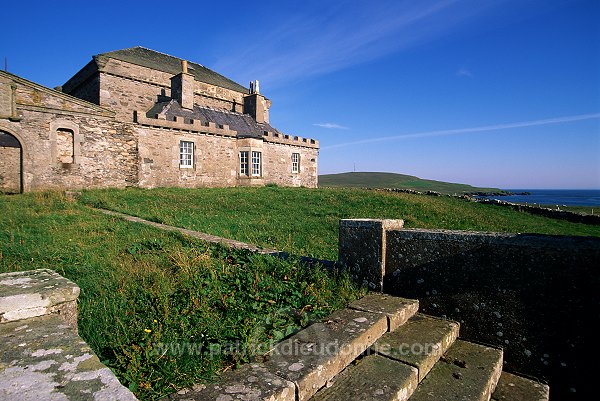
pixel 10 170
pixel 277 165
pixel 104 156
pixel 533 295
pixel 67 142
pixel 126 88
pixel 215 159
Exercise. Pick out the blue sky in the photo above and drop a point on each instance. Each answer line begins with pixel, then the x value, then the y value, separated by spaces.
pixel 501 93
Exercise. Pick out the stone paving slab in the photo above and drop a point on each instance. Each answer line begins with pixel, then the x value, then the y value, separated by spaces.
pixel 374 378
pixel 517 388
pixel 313 356
pixel 398 310
pixel 36 293
pixel 251 382
pixel 420 342
pixel 467 371
pixel 43 358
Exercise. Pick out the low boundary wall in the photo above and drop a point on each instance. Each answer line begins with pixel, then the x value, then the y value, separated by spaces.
pixel 534 295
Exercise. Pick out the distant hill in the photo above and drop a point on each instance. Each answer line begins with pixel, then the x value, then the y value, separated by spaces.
pixel 393 180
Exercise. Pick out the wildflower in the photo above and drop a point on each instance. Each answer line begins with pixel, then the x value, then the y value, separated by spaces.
pixel 147 330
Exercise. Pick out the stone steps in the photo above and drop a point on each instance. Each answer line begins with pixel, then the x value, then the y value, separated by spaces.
pixel 379 348
pixel 517 388
pixel 467 371
pixel 420 342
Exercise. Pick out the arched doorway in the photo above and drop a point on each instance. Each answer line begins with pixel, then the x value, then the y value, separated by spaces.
pixel 11 164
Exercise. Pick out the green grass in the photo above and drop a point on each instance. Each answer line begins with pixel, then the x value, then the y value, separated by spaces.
pixel 393 180
pixel 146 293
pixel 575 209
pixel 305 221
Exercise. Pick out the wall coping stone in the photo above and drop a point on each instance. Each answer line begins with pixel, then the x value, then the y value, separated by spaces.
pixel 43 358
pixel 34 293
pixel 523 239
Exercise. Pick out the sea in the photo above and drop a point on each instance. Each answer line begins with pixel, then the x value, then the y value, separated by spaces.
pixel 553 197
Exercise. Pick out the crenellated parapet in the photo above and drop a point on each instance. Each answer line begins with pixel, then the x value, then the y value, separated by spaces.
pixel 211 128
pixel 293 140
pixel 184 124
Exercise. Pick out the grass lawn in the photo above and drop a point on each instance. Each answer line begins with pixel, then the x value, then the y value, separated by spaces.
pixel 305 221
pixel 163 310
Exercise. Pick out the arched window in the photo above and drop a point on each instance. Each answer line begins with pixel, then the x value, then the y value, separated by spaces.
pixel 11 164
pixel 65 150
pixel 65 142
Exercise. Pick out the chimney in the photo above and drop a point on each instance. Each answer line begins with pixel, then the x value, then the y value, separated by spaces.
pixel 256 105
pixel 182 87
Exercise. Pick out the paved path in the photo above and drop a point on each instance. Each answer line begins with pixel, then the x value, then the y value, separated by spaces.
pixel 195 234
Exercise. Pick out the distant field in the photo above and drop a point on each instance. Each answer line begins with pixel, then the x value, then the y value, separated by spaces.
pixel 576 209
pixel 392 180
pixel 305 221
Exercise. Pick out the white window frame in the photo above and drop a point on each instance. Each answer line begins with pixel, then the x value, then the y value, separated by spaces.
pixel 295 162
pixel 186 154
pixel 244 165
pixel 256 163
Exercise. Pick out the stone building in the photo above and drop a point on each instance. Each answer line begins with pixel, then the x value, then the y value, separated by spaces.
pixel 137 117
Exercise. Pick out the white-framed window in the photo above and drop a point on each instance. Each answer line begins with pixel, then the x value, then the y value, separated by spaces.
pixel 256 164
pixel 295 162
pixel 186 154
pixel 244 162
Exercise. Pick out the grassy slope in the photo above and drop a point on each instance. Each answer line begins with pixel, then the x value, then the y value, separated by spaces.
pixel 305 221
pixel 392 180
pixel 141 286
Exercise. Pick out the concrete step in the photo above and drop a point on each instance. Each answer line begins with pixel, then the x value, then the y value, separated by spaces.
pixel 43 358
pixel 316 354
pixel 512 387
pixel 397 310
pixel 250 382
pixel 374 377
pixel 309 359
pixel 312 357
pixel 420 342
pixel 467 371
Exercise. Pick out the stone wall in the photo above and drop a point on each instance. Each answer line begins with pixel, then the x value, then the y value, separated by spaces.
pixel 41 354
pixel 277 165
pixel 10 170
pixel 216 160
pixel 67 142
pixel 214 164
pixel 126 87
pixel 104 152
pixel 533 295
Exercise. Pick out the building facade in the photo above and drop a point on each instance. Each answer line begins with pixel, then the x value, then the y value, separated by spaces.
pixel 136 117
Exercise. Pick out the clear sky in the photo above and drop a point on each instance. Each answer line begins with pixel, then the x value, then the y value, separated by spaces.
pixel 502 93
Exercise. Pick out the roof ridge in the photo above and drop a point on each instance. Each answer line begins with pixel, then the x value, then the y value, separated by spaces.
pixel 155 51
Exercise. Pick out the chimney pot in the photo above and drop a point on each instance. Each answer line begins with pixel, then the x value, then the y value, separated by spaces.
pixel 184 67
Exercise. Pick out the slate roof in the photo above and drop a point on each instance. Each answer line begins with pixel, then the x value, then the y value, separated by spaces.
pixel 163 62
pixel 244 124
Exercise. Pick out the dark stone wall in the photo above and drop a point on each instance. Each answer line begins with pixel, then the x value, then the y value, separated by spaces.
pixel 534 295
